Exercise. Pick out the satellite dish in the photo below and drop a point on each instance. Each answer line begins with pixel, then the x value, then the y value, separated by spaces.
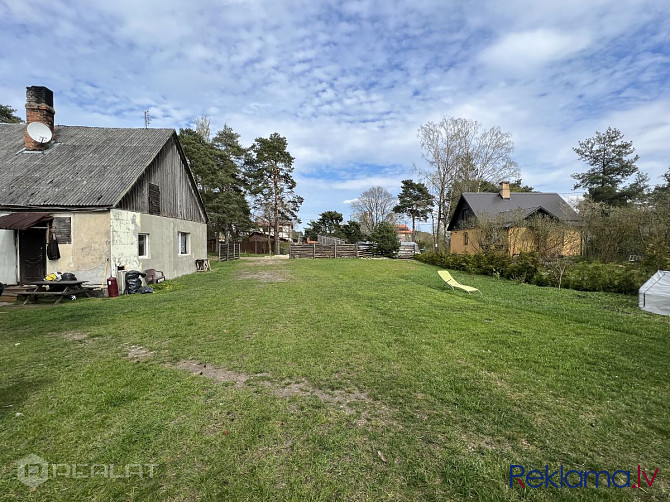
pixel 39 132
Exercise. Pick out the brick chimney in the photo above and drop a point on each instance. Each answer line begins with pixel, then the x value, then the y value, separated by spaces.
pixel 39 108
pixel 504 189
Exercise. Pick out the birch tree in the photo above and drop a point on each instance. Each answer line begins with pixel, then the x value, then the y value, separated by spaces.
pixel 462 156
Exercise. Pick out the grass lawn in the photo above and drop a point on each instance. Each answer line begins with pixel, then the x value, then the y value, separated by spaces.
pixel 333 380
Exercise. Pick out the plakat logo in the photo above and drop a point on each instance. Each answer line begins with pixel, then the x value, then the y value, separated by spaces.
pixel 577 479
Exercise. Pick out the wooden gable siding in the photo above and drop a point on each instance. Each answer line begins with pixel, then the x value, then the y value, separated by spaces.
pixel 178 196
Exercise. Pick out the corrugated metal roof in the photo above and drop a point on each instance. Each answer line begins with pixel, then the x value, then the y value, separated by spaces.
pixel 22 221
pixel 85 166
pixel 520 204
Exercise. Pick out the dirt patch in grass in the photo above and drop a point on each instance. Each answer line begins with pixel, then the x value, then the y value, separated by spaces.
pixel 73 336
pixel 275 261
pixel 343 400
pixel 265 269
pixel 277 275
pixel 214 373
pixel 303 388
pixel 137 353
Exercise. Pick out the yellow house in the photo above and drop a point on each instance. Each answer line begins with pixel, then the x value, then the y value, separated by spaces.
pixel 514 221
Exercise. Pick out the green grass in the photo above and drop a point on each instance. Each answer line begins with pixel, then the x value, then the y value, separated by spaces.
pixel 358 380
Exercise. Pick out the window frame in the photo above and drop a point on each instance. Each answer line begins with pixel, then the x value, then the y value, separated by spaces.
pixel 187 243
pixel 146 245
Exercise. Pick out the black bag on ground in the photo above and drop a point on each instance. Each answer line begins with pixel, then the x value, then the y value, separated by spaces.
pixel 134 281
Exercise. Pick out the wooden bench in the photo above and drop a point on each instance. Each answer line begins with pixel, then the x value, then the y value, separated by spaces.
pixel 202 265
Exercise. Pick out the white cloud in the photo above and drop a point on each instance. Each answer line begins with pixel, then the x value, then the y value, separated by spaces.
pixel 349 83
pixel 524 51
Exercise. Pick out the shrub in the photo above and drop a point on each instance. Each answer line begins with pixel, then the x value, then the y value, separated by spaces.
pixel 526 267
pixel 657 256
pixel 608 277
pixel 386 240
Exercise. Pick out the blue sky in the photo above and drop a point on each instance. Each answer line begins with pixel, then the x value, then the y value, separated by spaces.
pixel 350 82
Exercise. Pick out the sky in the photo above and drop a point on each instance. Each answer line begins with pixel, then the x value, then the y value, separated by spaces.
pixel 349 83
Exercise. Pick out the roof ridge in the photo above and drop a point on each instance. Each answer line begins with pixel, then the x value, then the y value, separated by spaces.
pixel 118 128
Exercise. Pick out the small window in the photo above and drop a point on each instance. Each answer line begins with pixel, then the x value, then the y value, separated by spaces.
pixel 143 245
pixel 62 229
pixel 184 244
pixel 154 199
pixel 466 238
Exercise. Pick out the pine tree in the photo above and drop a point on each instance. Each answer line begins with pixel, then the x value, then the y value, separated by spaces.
pixel 269 168
pixel 414 201
pixel 612 162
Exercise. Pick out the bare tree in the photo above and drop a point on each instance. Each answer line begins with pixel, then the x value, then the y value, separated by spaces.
pixel 202 127
pixel 372 207
pixel 440 148
pixel 460 153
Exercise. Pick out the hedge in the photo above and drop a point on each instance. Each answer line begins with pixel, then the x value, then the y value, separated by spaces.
pixel 527 267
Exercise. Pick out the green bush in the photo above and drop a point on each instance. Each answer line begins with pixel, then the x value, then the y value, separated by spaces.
pixel 657 256
pixel 386 240
pixel 527 267
pixel 524 267
pixel 608 277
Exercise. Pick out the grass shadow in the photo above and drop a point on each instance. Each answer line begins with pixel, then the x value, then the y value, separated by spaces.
pixel 16 393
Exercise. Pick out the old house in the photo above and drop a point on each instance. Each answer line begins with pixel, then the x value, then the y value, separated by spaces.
pixel 508 221
pixel 110 197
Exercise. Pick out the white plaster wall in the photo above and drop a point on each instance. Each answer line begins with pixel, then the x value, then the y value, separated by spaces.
pixel 124 227
pixel 163 242
pixel 87 254
pixel 8 264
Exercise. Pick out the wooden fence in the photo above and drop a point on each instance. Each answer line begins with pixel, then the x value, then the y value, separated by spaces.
pixel 256 247
pixel 406 252
pixel 366 250
pixel 361 250
pixel 229 251
pixel 323 251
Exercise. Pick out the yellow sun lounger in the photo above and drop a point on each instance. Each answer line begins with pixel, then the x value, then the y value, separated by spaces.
pixel 446 277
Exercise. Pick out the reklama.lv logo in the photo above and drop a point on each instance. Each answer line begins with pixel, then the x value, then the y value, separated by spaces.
pixel 576 479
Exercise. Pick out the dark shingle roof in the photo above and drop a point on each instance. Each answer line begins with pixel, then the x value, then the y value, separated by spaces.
pixel 86 166
pixel 520 204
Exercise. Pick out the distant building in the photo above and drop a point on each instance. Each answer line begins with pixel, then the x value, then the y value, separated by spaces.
pixel 404 233
pixel 268 229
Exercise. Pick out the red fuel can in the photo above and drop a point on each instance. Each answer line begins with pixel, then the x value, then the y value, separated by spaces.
pixel 112 287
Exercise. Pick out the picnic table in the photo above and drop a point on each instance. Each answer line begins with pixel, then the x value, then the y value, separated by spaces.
pixel 55 289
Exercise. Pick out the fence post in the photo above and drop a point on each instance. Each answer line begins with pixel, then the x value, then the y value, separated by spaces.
pixel 313 250
pixel 335 249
